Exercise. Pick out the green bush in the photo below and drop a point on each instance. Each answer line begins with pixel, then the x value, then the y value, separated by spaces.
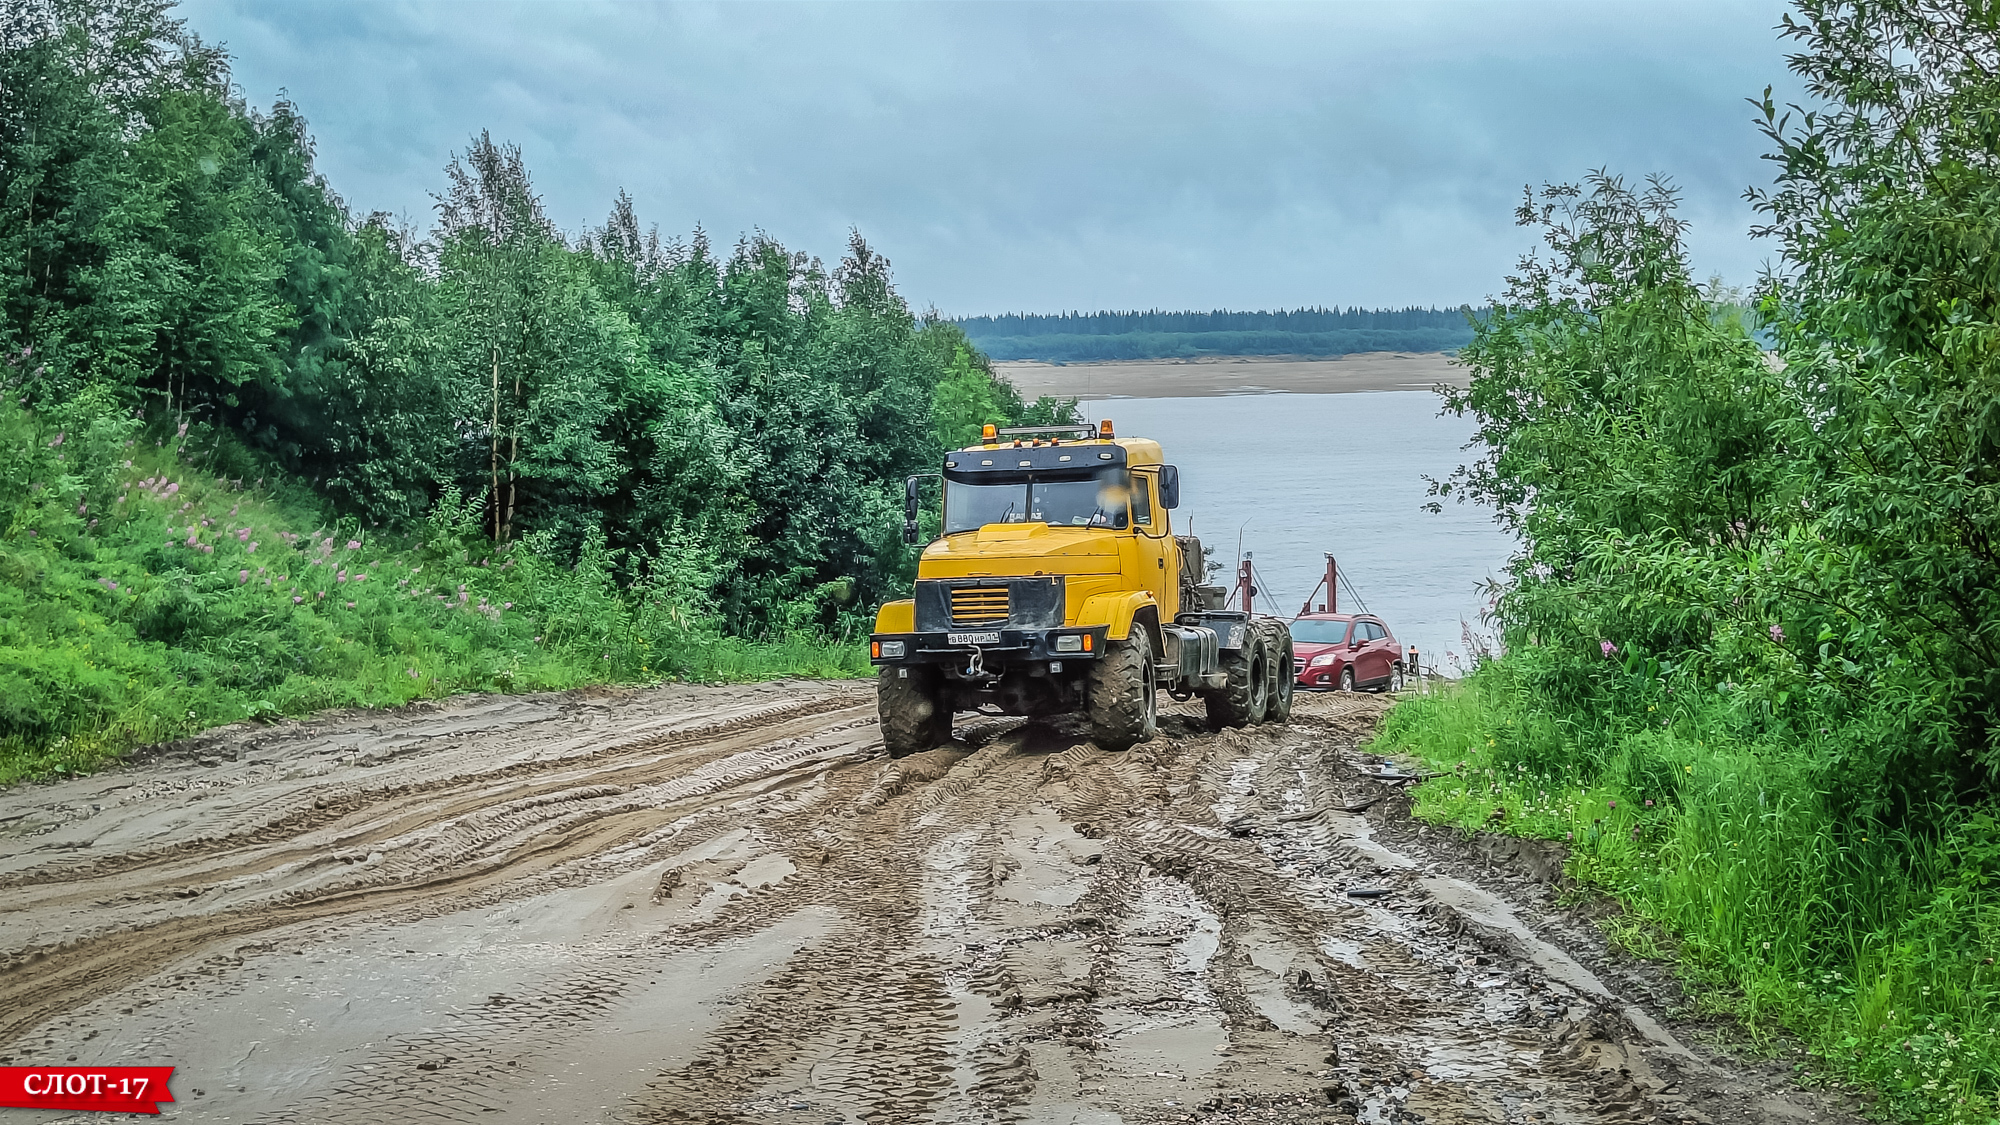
pixel 1872 943
pixel 193 601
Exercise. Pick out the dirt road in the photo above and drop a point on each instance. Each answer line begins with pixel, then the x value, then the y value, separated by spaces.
pixel 725 904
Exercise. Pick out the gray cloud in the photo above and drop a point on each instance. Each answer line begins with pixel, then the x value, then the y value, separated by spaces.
pixel 1032 157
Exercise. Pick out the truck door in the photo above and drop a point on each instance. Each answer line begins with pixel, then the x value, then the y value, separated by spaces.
pixel 1158 554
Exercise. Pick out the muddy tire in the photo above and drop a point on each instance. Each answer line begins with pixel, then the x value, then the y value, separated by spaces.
pixel 1123 702
pixel 1284 679
pixel 914 718
pixel 1248 693
pixel 1347 678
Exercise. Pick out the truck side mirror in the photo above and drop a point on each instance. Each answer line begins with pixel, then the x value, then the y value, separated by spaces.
pixel 1170 487
pixel 910 533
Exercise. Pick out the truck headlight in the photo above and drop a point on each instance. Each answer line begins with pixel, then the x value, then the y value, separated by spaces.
pixel 1072 642
pixel 1322 660
pixel 892 650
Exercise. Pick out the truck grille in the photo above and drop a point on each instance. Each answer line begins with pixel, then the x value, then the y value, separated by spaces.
pixel 978 605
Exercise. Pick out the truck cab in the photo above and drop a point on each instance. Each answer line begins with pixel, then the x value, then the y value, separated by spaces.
pixel 1059 587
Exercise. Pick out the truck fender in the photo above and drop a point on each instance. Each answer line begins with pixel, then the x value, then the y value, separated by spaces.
pixel 897 617
pixel 1117 611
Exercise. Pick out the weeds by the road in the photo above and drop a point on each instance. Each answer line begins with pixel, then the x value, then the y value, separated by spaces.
pixel 1876 948
pixel 142 599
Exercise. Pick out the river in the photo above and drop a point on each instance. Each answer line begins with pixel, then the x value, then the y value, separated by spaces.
pixel 1293 477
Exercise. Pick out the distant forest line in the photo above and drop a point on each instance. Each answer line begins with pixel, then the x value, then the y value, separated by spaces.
pixel 1156 334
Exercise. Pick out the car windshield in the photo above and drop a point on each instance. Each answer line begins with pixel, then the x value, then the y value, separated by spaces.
pixel 1316 631
pixel 1096 501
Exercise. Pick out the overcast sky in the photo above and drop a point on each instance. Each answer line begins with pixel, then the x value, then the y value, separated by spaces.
pixel 1022 157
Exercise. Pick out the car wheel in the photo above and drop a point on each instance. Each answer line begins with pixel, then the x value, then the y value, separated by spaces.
pixel 1396 679
pixel 1347 678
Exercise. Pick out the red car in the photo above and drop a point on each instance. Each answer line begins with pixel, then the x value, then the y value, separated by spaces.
pixel 1345 651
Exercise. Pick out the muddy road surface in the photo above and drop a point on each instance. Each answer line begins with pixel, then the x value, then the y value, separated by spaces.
pixel 726 904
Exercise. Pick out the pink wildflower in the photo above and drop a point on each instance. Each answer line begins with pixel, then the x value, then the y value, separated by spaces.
pixel 251 549
pixel 1778 633
pixel 413 673
pixel 350 605
pixel 354 544
pixel 1614 804
pixel 1608 647
pixel 242 576
pixel 58 441
pixel 243 536
pixel 296 599
pixel 182 432
pixel 82 509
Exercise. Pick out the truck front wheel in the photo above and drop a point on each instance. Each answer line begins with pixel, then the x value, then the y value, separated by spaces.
pixel 1123 706
pixel 914 717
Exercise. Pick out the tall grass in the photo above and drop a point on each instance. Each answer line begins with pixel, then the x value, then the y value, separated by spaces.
pixel 1876 949
pixel 146 593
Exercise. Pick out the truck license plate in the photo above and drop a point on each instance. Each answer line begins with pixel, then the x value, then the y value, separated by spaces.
pixel 973 638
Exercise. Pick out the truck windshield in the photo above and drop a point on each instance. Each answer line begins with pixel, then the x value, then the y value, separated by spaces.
pixel 1097 501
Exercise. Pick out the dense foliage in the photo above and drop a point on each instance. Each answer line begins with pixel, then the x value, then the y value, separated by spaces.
pixel 1079 337
pixel 721 434
pixel 1752 638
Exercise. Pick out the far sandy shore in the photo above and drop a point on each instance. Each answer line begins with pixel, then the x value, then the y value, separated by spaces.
pixel 1234 375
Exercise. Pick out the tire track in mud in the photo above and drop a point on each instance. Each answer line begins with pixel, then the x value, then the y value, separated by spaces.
pixel 257 825
pixel 438 861
pixel 1018 927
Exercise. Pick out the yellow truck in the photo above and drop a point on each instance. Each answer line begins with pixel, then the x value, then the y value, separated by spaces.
pixel 1057 588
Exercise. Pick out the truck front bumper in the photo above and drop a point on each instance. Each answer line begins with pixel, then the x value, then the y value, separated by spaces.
pixel 996 646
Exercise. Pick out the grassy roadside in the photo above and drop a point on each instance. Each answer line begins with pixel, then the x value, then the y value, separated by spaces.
pixel 145 594
pixel 1877 950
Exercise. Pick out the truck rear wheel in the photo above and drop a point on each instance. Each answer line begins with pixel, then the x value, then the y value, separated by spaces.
pixel 914 717
pixel 1248 692
pixel 1284 679
pixel 1123 706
